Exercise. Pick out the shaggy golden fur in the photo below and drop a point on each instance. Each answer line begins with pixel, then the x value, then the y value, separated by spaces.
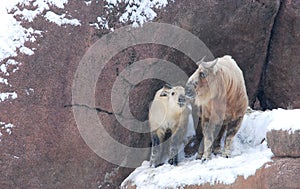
pixel 219 91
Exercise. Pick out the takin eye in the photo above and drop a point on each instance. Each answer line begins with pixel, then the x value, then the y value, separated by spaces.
pixel 173 93
pixel 202 75
pixel 164 93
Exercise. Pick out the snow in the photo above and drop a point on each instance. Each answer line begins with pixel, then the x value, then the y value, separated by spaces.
pixel 286 120
pixel 250 152
pixel 252 131
pixel 140 12
pixel 29 91
pixel 8 95
pixel 3 68
pixel 6 127
pixel 41 5
pixel 88 3
pixel 217 170
pixel 26 51
pixel 102 22
pixel 60 19
pixel 3 80
pixel 136 12
pixel 13 35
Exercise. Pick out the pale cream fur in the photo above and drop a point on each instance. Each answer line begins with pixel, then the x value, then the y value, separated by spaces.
pixel 167 114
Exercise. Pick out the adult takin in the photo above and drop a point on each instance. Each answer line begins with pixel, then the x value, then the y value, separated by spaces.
pixel 219 91
pixel 168 120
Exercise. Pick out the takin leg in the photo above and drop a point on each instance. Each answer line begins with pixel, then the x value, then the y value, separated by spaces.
pixel 156 151
pixel 212 118
pixel 201 137
pixel 173 153
pixel 201 149
pixel 176 140
pixel 210 133
pixel 217 144
pixel 232 129
pixel 199 134
pixel 178 137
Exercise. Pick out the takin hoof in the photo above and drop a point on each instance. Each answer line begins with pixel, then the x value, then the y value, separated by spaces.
pixel 217 151
pixel 202 159
pixel 226 154
pixel 155 164
pixel 199 156
pixel 205 158
pixel 173 161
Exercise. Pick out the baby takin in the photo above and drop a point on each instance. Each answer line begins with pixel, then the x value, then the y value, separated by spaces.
pixel 168 120
pixel 219 91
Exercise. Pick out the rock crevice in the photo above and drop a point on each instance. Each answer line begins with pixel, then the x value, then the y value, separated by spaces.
pixel 260 95
pixel 91 108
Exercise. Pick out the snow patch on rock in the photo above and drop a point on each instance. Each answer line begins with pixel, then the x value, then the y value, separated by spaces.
pixel 13 35
pixel 60 19
pixel 136 12
pixel 5 128
pixel 285 120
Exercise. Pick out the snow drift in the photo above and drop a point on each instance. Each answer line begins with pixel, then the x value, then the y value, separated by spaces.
pixel 250 152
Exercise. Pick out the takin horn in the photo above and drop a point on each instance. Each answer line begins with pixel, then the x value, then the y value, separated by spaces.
pixel 210 64
pixel 168 86
pixel 200 61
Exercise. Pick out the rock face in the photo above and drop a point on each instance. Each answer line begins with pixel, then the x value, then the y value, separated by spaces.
pixel 282 73
pixel 284 143
pixel 281 173
pixel 46 149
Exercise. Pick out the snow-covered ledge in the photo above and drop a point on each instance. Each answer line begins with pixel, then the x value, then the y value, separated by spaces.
pixel 284 133
pixel 251 157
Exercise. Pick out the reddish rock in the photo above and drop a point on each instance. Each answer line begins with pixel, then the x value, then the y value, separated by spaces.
pixel 45 149
pixel 282 86
pixel 284 143
pixel 281 173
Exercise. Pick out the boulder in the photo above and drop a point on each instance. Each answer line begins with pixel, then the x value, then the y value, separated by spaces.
pixel 281 87
pixel 284 143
